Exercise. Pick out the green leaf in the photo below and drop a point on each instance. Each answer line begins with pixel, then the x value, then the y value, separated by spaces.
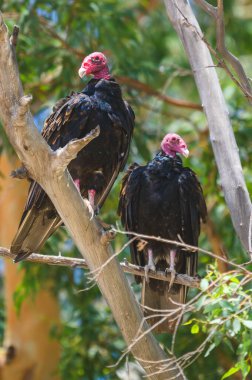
pixel 195 329
pixel 188 322
pixel 230 372
pixel 236 325
pixel 204 284
pixel 200 302
pixel 248 324
pixel 210 348
pixel 234 279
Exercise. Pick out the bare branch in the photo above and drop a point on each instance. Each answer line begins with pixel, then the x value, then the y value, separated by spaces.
pixel 210 9
pixel 232 59
pixel 70 262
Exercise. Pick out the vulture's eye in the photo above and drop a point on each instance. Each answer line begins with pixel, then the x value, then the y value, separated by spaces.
pixel 95 59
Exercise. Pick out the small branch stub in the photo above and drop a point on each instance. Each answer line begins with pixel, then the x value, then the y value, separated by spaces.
pixel 20 173
pixel 63 156
pixel 14 36
pixel 107 236
pixel 18 118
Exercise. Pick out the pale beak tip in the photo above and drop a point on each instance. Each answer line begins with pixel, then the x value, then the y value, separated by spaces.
pixel 186 153
pixel 82 72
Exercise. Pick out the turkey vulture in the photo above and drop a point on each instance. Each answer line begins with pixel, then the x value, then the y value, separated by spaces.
pixel 164 199
pixel 96 166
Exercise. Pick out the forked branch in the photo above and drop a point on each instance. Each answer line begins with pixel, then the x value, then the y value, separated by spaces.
pixel 218 14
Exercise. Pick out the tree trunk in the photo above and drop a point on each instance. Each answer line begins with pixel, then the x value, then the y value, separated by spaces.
pixel 29 352
pixel 222 137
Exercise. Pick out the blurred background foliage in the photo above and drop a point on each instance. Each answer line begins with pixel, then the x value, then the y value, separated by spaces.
pixel 148 60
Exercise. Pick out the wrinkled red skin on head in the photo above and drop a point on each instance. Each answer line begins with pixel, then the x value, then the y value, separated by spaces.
pixel 96 64
pixel 172 144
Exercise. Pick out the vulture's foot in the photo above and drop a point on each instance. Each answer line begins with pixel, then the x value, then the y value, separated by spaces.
pixel 147 268
pixel 90 208
pixel 150 265
pixel 172 272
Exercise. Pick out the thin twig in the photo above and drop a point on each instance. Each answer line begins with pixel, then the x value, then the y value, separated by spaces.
pixel 189 247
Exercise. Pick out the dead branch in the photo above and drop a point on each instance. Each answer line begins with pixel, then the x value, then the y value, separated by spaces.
pixel 221 133
pixel 127 267
pixel 38 158
pixel 218 14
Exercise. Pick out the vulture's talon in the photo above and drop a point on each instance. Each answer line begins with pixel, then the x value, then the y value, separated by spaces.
pixel 90 209
pixel 173 273
pixel 147 268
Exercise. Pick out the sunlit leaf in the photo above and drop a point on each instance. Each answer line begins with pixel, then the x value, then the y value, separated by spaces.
pixel 195 329
pixel 230 372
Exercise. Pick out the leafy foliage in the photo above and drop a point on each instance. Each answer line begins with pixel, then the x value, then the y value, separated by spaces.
pixel 224 314
pixel 142 47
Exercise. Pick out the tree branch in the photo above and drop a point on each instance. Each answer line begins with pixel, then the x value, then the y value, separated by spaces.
pixel 140 86
pixel 210 9
pixel 38 158
pixel 63 156
pixel 221 133
pixel 127 267
pixel 218 14
pixel 133 83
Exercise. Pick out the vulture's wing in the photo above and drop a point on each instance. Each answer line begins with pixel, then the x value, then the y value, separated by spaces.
pixel 128 208
pixel 193 210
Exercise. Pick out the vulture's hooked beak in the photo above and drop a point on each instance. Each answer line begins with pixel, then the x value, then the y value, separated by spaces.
pixel 82 72
pixel 185 152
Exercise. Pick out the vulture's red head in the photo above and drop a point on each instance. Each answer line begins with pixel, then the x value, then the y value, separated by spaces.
pixel 172 144
pixel 95 64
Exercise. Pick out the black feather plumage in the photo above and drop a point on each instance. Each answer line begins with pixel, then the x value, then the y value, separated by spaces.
pixel 96 166
pixel 164 199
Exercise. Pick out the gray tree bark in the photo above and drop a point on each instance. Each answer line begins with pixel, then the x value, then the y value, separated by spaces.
pixel 48 168
pixel 222 137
